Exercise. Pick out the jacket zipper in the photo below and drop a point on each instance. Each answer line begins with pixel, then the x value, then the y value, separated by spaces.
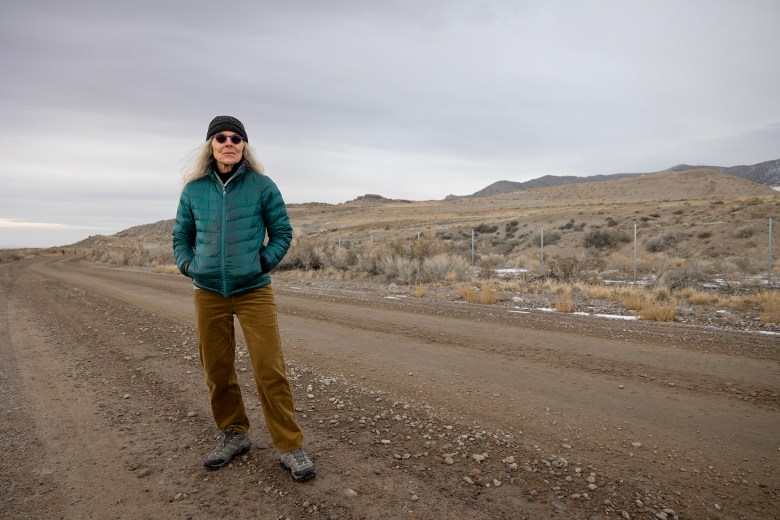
pixel 223 240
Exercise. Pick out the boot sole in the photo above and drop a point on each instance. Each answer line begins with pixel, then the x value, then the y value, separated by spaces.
pixel 299 478
pixel 225 463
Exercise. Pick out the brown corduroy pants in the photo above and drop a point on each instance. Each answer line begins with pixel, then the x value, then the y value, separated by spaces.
pixel 256 312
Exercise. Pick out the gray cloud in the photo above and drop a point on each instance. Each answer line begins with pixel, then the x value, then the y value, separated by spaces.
pixel 408 99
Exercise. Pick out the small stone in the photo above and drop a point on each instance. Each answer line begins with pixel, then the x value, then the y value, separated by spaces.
pixel 414 498
pixel 385 441
pixel 468 480
pixel 560 506
pixel 178 496
pixel 351 493
pixel 478 457
pixel 508 460
pixel 126 396
pixel 449 461
pixel 143 472
pixel 496 482
pixel 192 414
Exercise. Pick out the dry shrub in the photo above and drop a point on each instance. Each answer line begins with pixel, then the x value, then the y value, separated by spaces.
pixel 771 309
pixel 445 266
pixel 488 293
pixel 662 294
pixel 602 239
pixel 399 269
pixel 564 303
pixel 655 311
pixel 420 290
pixel 468 293
pixel 695 297
pixel 635 300
pixel 648 307
pixel 690 274
pixel 11 255
pixel 602 292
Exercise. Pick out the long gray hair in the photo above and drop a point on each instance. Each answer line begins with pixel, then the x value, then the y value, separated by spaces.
pixel 202 157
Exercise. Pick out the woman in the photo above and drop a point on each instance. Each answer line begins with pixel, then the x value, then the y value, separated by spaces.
pixel 227 207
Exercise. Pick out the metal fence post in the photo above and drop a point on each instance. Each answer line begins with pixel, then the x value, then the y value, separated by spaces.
pixel 472 248
pixel 769 272
pixel 541 240
pixel 634 253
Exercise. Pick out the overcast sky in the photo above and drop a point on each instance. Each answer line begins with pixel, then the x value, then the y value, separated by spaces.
pixel 102 103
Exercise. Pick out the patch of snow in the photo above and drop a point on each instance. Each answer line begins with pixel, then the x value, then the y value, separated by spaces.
pixel 507 272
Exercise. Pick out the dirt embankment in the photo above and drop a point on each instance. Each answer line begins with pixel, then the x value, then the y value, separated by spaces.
pixel 411 409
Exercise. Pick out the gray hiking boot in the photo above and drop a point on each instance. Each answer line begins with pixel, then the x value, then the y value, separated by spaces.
pixel 232 445
pixel 298 463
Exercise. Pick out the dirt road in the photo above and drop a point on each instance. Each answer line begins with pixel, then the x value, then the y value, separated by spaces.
pixel 411 409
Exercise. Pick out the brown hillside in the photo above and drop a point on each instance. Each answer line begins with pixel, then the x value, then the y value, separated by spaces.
pixel 703 215
pixel 542 206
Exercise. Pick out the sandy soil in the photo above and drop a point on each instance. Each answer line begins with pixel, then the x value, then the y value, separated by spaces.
pixel 411 408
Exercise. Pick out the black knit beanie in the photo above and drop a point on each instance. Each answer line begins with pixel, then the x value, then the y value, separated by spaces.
pixel 222 123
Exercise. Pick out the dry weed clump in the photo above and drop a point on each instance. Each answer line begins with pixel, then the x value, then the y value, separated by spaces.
pixel 13 255
pixel 420 291
pixel 488 293
pixel 445 266
pixel 647 306
pixel 467 292
pixel 696 297
pixel 771 307
pixel 635 300
pixel 399 269
pixel 656 311
pixel 564 302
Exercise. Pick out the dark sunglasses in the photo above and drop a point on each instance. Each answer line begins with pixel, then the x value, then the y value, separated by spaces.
pixel 235 138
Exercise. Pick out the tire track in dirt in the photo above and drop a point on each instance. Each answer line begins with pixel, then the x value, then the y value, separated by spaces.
pixel 131 333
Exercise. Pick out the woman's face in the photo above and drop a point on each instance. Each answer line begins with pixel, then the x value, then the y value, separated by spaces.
pixel 226 154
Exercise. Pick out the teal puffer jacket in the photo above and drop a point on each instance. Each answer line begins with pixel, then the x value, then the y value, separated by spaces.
pixel 220 230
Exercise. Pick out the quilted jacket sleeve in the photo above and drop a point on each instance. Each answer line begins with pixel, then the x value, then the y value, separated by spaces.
pixel 184 233
pixel 278 227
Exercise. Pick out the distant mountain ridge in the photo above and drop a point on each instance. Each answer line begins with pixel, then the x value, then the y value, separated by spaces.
pixel 766 173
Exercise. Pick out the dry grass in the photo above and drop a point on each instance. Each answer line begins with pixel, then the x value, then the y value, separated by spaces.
pixel 635 300
pixel 655 311
pixel 564 302
pixel 771 307
pixel 467 292
pixel 420 291
pixel 696 297
pixel 488 293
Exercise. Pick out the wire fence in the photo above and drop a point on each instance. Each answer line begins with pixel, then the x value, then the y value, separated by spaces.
pixel 487 244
